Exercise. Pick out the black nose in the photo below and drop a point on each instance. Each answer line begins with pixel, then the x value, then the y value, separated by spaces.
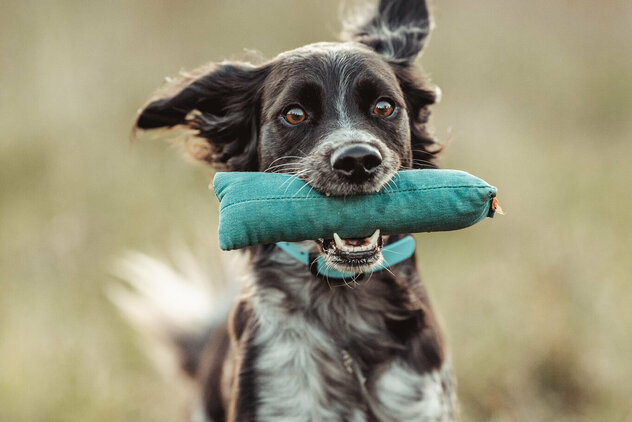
pixel 357 162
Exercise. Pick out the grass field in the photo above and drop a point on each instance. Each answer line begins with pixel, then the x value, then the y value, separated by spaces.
pixel 537 99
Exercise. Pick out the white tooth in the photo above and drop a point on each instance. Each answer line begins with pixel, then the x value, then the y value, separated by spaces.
pixel 339 243
pixel 374 237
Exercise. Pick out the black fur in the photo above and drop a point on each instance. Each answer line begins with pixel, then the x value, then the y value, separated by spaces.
pixel 398 31
pixel 227 104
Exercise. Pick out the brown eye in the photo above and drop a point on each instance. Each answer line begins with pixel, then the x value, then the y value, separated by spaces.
pixel 295 115
pixel 383 108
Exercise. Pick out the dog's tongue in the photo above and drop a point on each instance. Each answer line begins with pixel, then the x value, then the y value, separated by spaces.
pixel 356 242
pixel 365 243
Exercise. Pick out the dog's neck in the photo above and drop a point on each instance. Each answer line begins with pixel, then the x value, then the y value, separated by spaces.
pixel 275 268
pixel 355 314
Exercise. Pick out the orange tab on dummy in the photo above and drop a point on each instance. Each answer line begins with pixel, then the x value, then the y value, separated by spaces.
pixel 496 206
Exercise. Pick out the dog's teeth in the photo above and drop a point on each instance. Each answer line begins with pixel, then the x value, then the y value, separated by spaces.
pixel 339 243
pixel 373 238
pixel 372 243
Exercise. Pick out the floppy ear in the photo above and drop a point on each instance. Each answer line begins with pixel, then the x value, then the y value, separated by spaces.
pixel 397 29
pixel 219 104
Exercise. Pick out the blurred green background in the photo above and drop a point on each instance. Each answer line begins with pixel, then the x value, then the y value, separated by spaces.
pixel 537 100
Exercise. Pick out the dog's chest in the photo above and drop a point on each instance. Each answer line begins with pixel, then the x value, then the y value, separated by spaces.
pixel 300 375
pixel 304 373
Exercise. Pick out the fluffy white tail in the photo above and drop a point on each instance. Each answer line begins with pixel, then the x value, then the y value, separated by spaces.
pixel 176 309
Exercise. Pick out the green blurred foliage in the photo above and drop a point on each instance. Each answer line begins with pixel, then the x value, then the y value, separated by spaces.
pixel 537 100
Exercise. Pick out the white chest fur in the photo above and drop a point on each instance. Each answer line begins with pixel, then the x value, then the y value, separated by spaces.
pixel 404 395
pixel 296 365
pixel 299 369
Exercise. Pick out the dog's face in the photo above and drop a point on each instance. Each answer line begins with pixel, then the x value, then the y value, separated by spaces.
pixel 334 115
pixel 343 117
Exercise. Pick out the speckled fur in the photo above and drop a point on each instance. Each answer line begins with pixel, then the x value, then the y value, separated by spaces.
pixel 298 329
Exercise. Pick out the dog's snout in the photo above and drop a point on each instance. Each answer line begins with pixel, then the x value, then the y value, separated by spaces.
pixel 356 161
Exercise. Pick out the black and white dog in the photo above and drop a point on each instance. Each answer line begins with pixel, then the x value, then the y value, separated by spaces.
pixel 344 117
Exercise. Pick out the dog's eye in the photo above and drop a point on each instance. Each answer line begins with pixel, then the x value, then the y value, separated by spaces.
pixel 383 108
pixel 295 115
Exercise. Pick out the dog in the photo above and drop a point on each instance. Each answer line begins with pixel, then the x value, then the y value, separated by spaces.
pixel 343 117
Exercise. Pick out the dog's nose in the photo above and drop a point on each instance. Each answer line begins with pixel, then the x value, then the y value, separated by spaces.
pixel 356 161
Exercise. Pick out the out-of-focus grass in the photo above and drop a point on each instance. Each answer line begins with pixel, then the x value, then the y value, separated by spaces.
pixel 537 100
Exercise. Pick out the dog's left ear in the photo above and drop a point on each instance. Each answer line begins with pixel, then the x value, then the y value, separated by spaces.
pixel 219 107
pixel 397 30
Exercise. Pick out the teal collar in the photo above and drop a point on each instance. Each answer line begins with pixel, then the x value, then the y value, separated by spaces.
pixel 393 254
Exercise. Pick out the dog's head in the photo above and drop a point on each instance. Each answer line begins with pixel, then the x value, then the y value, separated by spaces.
pixel 344 117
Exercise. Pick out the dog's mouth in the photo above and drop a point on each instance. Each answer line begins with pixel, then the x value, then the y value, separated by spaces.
pixel 353 255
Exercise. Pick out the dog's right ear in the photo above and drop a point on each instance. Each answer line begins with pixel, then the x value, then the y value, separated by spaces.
pixel 397 29
pixel 219 105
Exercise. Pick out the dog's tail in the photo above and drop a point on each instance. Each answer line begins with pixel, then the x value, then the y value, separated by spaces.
pixel 176 310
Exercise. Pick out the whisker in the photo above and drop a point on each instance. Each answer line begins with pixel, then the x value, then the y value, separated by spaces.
pixel 328 283
pixel 369 279
pixel 344 280
pixel 293 179
pixel 284 169
pixel 389 185
pixel 329 267
pixel 396 253
pixel 311 188
pixel 283 165
pixel 309 181
pixel 287 180
pixel 386 267
pixel 420 161
pixel 294 175
pixel 295 164
pixel 421 151
pixel 284 157
pixel 423 163
pixel 300 189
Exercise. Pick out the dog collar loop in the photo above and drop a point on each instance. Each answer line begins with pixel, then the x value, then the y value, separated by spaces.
pixel 393 254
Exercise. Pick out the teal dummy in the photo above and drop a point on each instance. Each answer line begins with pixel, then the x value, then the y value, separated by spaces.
pixel 260 208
